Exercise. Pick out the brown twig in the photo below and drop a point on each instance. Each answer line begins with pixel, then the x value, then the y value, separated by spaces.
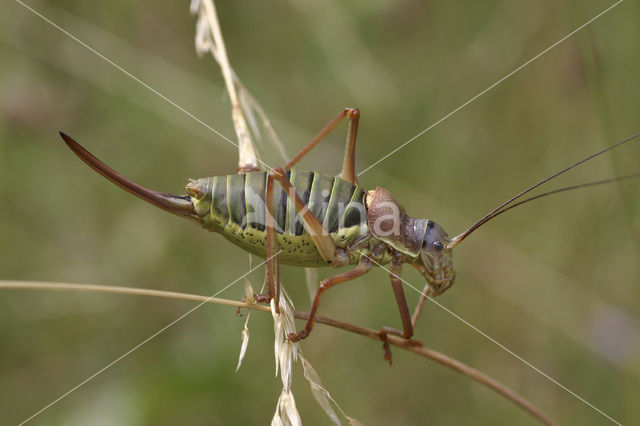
pixel 367 332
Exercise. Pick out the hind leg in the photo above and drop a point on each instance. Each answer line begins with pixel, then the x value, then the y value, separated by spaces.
pixel 349 163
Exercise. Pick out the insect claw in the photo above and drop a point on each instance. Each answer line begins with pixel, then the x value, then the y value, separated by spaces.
pixel 262 298
pixel 385 345
pixel 387 352
pixel 302 334
pixel 238 312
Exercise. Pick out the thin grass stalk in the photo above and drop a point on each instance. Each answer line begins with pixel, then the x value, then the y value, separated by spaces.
pixel 403 344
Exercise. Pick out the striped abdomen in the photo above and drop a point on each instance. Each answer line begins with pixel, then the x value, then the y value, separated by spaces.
pixel 235 206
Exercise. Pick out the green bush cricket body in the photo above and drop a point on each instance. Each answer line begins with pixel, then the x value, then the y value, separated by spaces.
pixel 313 220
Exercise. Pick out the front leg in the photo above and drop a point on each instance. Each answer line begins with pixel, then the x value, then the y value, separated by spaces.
pixel 407 324
pixel 395 271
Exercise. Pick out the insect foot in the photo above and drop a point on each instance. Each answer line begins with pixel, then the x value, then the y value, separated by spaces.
pixel 385 346
pixel 262 298
pixel 383 335
pixel 297 337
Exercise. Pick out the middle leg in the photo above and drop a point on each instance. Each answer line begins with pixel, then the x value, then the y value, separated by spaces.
pixel 407 322
pixel 396 283
pixel 363 267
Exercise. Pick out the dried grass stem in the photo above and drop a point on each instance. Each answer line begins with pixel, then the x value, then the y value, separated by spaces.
pixel 367 332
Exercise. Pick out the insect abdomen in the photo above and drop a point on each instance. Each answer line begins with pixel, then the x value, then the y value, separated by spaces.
pixel 235 206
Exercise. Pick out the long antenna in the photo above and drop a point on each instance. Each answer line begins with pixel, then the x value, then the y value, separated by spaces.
pixel 555 191
pixel 500 209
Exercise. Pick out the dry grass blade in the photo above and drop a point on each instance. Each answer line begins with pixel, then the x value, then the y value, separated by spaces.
pixel 245 342
pixel 322 395
pixel 248 297
pixel 209 38
pixel 286 353
pixel 244 107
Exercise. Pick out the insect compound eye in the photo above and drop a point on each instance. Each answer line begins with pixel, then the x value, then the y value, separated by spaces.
pixel 438 245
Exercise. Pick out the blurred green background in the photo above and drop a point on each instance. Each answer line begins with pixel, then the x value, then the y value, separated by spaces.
pixel 555 281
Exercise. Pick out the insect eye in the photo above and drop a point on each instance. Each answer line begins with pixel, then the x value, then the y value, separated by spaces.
pixel 438 245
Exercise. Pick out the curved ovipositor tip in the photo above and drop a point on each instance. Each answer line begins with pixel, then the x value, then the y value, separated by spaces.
pixel 180 205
